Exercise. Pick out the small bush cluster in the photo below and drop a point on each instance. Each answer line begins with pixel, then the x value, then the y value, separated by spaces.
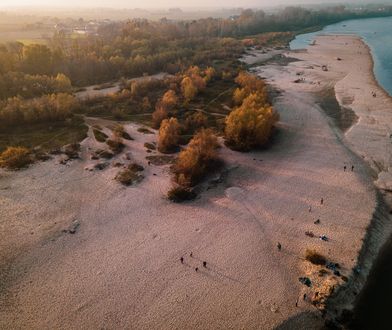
pixel 15 158
pixel 197 159
pixel 120 133
pixel 130 175
pixel 115 145
pixel 169 135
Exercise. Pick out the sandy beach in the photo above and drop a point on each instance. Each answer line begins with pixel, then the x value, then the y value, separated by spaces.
pixel 122 269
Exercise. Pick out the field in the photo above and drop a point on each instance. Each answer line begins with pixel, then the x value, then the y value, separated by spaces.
pixel 47 136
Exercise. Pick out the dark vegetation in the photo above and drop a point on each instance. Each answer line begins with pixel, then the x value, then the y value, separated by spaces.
pixel 315 258
pixel 99 135
pixel 180 194
pixel 130 175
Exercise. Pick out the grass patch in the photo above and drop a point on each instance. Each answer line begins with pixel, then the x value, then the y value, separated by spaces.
pixel 160 160
pixel 315 258
pixel 100 136
pixel 47 136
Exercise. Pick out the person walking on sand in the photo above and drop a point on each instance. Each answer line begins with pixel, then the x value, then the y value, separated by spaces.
pixel 310 209
pixel 352 168
pixel 279 246
pixel 182 260
pixel 205 264
pixel 345 168
pixel 196 269
pixel 322 201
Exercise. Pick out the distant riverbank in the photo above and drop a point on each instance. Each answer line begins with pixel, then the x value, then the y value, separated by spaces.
pixel 374 31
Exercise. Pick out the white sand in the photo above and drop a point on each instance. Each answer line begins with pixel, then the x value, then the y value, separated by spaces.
pixel 121 269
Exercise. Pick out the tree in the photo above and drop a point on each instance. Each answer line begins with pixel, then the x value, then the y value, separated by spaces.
pixel 159 114
pixel 37 59
pixel 199 157
pixel 169 135
pixel 210 74
pixel 189 90
pixel 250 125
pixel 146 104
pixel 170 100
pixel 239 95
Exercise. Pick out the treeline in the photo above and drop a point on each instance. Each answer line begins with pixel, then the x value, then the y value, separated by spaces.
pixel 140 46
pixel 17 111
pixel 30 86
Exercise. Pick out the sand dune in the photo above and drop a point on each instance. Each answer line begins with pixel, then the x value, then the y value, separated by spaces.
pixel 121 268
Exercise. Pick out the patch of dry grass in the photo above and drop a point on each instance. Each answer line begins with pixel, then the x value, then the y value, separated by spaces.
pixel 15 158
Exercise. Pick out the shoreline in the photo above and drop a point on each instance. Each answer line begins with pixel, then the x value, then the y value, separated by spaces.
pixel 331 52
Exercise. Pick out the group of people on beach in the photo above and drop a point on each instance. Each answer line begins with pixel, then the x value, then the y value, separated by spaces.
pixel 182 260
pixel 345 168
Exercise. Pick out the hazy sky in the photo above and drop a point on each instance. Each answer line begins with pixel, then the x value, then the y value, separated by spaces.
pixel 153 3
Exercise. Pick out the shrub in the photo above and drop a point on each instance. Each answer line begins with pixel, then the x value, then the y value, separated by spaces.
pixel 189 89
pixel 149 146
pixel 169 134
pixel 170 100
pixel 239 95
pixel 159 115
pixel 314 257
pixel 115 145
pixel 160 160
pixel 128 177
pixel 195 121
pixel 197 159
pixel 135 167
pixel 250 125
pixel 100 136
pixel 180 194
pixel 210 74
pixel 130 174
pixel 72 150
pixel 15 158
pixel 120 133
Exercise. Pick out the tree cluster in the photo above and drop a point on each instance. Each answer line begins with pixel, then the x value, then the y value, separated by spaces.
pixel 250 125
pixel 48 108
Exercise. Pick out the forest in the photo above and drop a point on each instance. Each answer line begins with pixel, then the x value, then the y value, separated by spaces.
pixel 131 48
